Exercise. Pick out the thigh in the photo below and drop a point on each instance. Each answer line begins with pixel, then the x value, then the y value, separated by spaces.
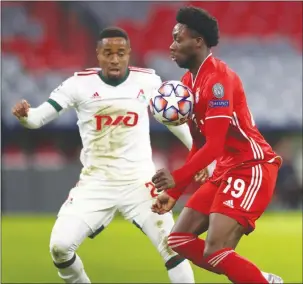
pixel 92 204
pixel 137 201
pixel 201 201
pixel 245 193
pixel 223 232
pixel 194 217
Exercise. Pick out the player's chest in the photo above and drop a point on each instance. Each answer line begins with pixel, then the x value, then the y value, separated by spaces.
pixel 200 103
pixel 200 106
pixel 99 97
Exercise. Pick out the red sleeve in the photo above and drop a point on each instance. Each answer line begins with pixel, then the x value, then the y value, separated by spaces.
pixel 216 130
pixel 219 94
pixel 176 192
pixel 217 119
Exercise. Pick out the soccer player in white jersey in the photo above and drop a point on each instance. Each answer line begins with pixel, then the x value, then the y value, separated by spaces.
pixel 112 109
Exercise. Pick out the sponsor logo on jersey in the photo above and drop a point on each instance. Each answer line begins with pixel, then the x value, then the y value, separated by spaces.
pixel 215 103
pixel 218 91
pixel 129 120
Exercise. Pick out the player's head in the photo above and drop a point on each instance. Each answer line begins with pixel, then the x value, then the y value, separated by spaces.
pixel 113 52
pixel 195 31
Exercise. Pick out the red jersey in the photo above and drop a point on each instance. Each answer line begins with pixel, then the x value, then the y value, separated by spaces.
pixel 221 114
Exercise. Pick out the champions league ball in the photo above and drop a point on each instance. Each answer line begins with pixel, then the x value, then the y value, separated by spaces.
pixel 172 103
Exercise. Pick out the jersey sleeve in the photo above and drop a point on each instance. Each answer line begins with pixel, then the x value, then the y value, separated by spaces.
pixel 219 95
pixel 63 97
pixel 157 82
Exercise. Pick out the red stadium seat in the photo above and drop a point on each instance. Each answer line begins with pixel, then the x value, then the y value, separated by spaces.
pixel 236 19
pixel 135 33
pixel 56 50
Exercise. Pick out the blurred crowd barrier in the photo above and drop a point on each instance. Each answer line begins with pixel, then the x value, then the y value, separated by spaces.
pixel 262 41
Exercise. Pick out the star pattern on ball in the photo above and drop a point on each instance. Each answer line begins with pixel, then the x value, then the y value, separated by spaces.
pixel 173 101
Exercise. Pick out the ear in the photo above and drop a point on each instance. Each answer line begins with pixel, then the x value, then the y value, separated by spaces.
pixel 200 42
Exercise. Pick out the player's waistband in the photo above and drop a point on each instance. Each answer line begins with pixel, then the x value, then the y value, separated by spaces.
pixel 219 173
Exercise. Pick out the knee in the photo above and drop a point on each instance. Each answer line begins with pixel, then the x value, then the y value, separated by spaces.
pixel 164 249
pixel 170 242
pixel 61 251
pixel 177 242
pixel 212 246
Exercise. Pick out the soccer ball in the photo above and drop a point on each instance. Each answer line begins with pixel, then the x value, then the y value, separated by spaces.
pixel 172 103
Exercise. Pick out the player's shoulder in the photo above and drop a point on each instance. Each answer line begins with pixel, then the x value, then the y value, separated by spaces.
pixel 220 71
pixel 142 71
pixel 145 75
pixel 224 70
pixel 87 72
pixel 80 77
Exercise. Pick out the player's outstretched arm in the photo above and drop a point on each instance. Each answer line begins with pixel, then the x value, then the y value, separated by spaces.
pixel 34 118
pixel 61 99
pixel 182 132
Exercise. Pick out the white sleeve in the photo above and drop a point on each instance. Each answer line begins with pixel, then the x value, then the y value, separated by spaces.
pixel 39 116
pixel 183 133
pixel 64 96
pixel 157 82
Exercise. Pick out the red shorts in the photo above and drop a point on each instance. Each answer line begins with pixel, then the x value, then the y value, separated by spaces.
pixel 242 194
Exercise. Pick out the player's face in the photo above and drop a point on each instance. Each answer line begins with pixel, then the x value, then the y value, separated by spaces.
pixel 113 56
pixel 183 49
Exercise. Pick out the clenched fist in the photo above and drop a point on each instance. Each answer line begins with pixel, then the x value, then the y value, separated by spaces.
pixel 202 176
pixel 163 203
pixel 21 109
pixel 163 180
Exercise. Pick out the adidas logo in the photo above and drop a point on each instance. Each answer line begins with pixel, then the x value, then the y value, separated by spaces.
pixel 96 95
pixel 229 203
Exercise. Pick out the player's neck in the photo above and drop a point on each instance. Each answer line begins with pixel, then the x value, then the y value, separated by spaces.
pixel 114 82
pixel 194 69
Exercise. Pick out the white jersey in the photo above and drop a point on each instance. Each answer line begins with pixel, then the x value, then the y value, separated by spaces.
pixel 113 123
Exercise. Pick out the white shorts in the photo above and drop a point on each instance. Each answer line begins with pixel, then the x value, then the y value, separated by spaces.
pixel 96 204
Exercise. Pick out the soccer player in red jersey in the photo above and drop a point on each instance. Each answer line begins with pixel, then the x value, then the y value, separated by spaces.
pixel 241 188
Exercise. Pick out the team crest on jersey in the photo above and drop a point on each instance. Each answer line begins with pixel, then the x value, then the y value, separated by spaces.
pixel 197 94
pixel 218 90
pixel 141 96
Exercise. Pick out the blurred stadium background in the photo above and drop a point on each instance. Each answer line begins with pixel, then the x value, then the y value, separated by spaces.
pixel 43 43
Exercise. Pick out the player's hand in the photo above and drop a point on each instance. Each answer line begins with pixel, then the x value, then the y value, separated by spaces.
pixel 163 203
pixel 202 176
pixel 163 180
pixel 21 109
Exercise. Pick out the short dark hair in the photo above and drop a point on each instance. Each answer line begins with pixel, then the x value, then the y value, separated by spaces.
pixel 113 32
pixel 201 22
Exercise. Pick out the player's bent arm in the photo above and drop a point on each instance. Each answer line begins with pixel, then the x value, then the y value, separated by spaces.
pixel 61 99
pixel 37 117
pixel 216 130
pixel 183 133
